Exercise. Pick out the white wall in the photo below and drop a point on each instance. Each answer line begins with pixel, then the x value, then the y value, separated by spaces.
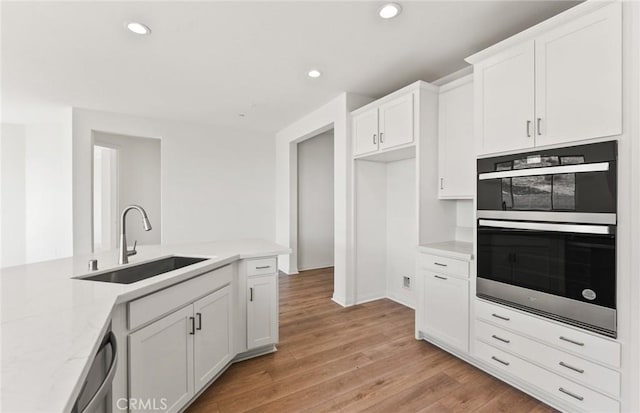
pixel 216 182
pixel 12 187
pixel 138 183
pixel 464 219
pixel 401 225
pixel 315 202
pixel 370 230
pixel 36 212
pixel 334 114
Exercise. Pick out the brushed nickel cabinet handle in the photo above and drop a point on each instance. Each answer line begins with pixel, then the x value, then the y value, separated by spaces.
pixel 441 183
pixel 539 126
pixel 500 317
pixel 568 340
pixel 440 277
pixel 263 267
pixel 251 294
pixel 381 137
pixel 506 363
pixel 567 392
pixel 528 128
pixel 439 264
pixel 504 340
pixel 193 325
pixel 374 138
pixel 563 364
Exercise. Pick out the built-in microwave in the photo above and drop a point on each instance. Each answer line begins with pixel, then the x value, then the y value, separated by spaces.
pixel 546 238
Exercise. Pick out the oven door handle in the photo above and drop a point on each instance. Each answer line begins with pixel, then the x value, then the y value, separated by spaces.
pixel 552 227
pixel 549 170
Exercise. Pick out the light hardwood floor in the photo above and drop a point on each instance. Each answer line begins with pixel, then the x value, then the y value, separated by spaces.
pixel 356 359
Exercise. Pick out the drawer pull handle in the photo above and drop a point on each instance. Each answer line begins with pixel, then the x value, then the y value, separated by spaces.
pixel 501 317
pixel 504 340
pixel 439 264
pixel 568 340
pixel 440 277
pixel 568 393
pixel 563 364
pixel 506 363
pixel 263 267
pixel 199 316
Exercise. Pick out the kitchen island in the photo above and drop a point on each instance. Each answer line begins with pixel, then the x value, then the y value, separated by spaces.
pixel 52 324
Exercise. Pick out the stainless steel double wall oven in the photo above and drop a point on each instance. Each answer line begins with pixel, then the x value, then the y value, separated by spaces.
pixel 547 233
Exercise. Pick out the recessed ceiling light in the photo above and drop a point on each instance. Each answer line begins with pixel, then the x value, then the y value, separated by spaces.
pixel 389 10
pixel 314 73
pixel 138 28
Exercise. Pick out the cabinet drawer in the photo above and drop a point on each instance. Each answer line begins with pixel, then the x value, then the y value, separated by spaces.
pixel 156 305
pixel 557 387
pixel 568 365
pixel 261 266
pixel 578 342
pixel 443 265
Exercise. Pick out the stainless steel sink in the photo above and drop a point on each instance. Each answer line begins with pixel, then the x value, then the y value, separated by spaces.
pixel 143 271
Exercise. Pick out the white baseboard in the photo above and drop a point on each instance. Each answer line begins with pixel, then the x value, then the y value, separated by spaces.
pixel 401 300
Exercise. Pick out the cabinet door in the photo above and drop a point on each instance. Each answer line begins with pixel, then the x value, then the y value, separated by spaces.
pixel 579 79
pixel 505 100
pixel 161 362
pixel 262 311
pixel 446 309
pixel 455 142
pixel 365 132
pixel 212 346
pixel 396 122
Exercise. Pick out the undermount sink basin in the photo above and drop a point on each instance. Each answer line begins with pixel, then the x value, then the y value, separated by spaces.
pixel 141 272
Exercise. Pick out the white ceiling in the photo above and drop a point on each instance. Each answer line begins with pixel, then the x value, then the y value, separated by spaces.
pixel 210 61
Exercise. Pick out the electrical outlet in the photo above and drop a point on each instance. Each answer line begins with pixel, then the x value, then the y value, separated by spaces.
pixel 406 282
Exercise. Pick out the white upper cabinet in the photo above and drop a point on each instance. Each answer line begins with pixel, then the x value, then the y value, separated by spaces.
pixel 505 89
pixel 562 85
pixel 396 122
pixel 365 132
pixel 579 79
pixel 387 129
pixel 455 140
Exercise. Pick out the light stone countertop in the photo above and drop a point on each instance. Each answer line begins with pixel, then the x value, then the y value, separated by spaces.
pixel 452 249
pixel 51 324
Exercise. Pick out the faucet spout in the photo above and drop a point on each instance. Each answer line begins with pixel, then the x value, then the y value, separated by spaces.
pixel 124 252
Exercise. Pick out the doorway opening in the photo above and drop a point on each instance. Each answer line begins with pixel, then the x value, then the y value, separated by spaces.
pixel 315 202
pixel 126 170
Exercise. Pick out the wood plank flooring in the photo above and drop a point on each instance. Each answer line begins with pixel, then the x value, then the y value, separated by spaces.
pixel 356 359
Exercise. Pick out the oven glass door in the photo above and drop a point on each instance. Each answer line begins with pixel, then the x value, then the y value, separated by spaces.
pixel 579 266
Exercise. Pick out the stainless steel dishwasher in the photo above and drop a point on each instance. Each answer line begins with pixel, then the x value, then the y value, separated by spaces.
pixel 96 390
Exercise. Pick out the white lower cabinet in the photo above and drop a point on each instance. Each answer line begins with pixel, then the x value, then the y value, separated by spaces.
pixel 566 391
pixel 534 351
pixel 262 311
pixel 442 311
pixel 446 309
pixel 161 364
pixel 173 358
pixel 212 347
